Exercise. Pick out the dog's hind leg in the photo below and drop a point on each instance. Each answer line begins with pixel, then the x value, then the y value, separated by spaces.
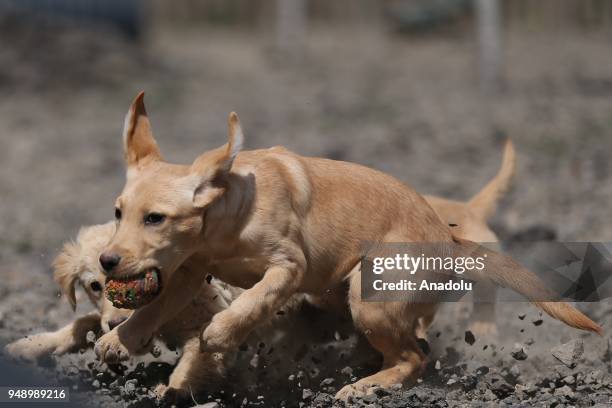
pixel 194 372
pixel 483 321
pixel 389 328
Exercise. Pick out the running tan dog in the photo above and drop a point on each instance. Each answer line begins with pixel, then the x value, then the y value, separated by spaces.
pixel 78 264
pixel 277 224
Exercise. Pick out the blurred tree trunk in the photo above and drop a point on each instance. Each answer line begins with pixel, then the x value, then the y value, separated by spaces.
pixel 489 44
pixel 290 25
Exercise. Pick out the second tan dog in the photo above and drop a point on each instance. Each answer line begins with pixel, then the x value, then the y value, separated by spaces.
pixel 77 264
pixel 278 224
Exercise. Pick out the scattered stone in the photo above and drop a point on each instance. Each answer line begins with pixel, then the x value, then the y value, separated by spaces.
pixel 90 337
pixel 482 370
pixel 307 394
pixel 156 351
pixel 519 355
pixel 254 361
pixel 521 316
pixel 568 353
pixel 327 382
pixel 348 371
pixel 469 338
pixel 538 322
pixel 370 398
pixel 438 365
pixel 565 391
pixel 569 380
pixel 129 388
pixel 489 395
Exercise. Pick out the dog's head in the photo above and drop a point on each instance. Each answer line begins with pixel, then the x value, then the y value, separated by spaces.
pixel 161 212
pixel 78 263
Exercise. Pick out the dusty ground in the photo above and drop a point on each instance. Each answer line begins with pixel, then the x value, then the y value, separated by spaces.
pixel 410 107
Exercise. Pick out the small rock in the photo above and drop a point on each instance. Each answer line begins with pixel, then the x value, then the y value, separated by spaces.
pixel 469 338
pixel 130 386
pixel 489 396
pixel 307 394
pixel 396 387
pixel 291 377
pixel 569 380
pixel 327 382
pixel 348 371
pixel 519 355
pixel 254 361
pixel 482 370
pixel 370 398
pixel 568 353
pixel 156 351
pixel 564 391
pixel 95 384
pixel 90 337
pixel 438 365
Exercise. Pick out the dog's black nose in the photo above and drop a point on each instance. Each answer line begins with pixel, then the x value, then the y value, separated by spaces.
pixel 109 260
pixel 116 322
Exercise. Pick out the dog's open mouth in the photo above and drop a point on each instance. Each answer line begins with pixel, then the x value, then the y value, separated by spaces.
pixel 135 291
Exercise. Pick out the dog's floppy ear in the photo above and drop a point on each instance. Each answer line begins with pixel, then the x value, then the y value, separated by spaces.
pixel 211 167
pixel 139 146
pixel 66 271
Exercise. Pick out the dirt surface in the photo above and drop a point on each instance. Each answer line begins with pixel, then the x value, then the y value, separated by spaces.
pixel 410 107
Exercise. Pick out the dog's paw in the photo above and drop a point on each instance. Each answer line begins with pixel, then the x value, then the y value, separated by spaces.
pixel 349 392
pixel 222 334
pixel 168 396
pixel 359 389
pixel 109 348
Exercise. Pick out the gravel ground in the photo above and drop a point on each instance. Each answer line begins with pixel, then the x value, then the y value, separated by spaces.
pixel 410 107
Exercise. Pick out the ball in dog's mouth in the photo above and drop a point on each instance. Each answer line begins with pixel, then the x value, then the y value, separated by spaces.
pixel 135 291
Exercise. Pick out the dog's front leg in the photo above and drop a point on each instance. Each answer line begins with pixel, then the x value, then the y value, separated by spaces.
pixel 64 340
pixel 135 334
pixel 229 328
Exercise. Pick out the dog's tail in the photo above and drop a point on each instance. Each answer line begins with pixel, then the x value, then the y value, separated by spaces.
pixel 485 201
pixel 505 272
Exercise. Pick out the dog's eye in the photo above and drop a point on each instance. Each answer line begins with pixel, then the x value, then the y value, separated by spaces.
pixel 154 218
pixel 117 214
pixel 95 286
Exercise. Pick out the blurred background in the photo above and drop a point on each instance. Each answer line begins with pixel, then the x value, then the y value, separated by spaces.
pixel 426 90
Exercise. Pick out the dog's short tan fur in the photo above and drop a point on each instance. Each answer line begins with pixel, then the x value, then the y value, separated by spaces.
pixel 78 263
pixel 277 224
